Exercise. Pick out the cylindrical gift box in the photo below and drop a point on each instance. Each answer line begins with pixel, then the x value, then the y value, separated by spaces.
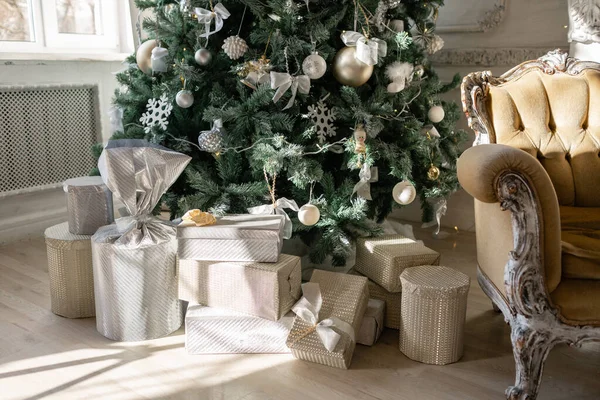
pixel 89 204
pixel 136 287
pixel 70 272
pixel 434 307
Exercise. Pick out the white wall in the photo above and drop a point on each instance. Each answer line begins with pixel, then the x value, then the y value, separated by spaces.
pixel 527 30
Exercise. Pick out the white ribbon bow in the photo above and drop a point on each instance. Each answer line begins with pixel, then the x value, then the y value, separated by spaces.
pixel 307 309
pixel 205 17
pixel 367 50
pixel 158 59
pixel 278 209
pixel 367 176
pixel 283 81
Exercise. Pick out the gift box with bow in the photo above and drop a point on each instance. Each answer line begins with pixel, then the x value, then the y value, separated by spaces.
pixel 328 317
pixel 134 259
pixel 233 238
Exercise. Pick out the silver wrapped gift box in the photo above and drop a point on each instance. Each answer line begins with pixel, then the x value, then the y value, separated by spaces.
pixel 211 330
pixel 89 204
pixel 267 290
pixel 134 260
pixel 242 237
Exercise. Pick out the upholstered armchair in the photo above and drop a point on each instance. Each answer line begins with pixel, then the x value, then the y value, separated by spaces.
pixel 534 171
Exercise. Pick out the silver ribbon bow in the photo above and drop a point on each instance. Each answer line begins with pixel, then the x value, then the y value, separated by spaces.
pixel 307 309
pixel 278 209
pixel 205 17
pixel 159 60
pixel 367 176
pixel 283 81
pixel 367 50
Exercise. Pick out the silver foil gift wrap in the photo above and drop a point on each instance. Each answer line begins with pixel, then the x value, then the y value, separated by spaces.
pixel 233 238
pixel 134 259
pixel 89 204
pixel 266 290
pixel 211 330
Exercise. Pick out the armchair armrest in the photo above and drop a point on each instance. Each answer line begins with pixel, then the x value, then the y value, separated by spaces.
pixel 495 173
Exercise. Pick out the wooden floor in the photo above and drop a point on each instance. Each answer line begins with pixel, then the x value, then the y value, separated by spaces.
pixel 43 356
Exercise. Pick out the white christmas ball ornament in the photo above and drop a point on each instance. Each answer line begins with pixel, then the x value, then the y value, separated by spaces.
pixel 309 214
pixel 184 99
pixel 436 114
pixel 404 193
pixel 202 57
pixel 397 25
pixel 143 56
pixel 314 66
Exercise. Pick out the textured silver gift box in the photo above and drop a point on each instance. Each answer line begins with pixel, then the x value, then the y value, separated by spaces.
pixel 345 297
pixel 372 323
pixel 434 307
pixel 382 259
pixel 211 330
pixel 233 238
pixel 89 204
pixel 70 272
pixel 393 302
pixel 135 288
pixel 267 290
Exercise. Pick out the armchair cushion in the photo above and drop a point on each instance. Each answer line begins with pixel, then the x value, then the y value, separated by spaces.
pixel 580 242
pixel 578 301
pixel 479 168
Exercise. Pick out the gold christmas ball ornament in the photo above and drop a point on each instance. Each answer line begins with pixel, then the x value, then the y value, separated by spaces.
pixel 143 56
pixel 350 71
pixel 434 173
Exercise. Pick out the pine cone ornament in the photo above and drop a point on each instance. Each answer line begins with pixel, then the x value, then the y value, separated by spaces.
pixel 235 47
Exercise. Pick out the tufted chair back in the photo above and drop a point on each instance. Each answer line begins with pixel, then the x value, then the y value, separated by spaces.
pixel 553 113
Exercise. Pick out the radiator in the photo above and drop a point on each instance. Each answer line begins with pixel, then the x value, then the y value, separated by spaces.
pixel 46 135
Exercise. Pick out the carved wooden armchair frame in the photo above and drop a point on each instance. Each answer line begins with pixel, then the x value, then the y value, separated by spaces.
pixel 536 324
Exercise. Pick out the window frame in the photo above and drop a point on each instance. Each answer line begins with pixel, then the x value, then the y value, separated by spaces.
pixel 115 41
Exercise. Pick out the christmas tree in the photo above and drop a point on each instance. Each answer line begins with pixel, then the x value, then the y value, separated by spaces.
pixel 329 103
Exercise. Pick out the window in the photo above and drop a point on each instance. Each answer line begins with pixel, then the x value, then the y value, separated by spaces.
pixel 65 26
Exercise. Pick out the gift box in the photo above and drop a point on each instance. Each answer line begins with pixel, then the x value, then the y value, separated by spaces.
pixel 233 238
pixel 211 330
pixel 135 270
pixel 382 259
pixel 89 204
pixel 267 290
pixel 372 323
pixel 328 317
pixel 393 302
pixel 70 272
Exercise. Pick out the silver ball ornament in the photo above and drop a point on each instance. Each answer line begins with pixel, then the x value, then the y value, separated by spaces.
pixel 309 214
pixel 350 71
pixel 184 98
pixel 404 193
pixel 397 25
pixel 314 66
pixel 436 114
pixel 143 56
pixel 202 57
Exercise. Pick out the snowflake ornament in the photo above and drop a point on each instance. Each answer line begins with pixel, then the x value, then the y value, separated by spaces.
pixel 157 113
pixel 323 118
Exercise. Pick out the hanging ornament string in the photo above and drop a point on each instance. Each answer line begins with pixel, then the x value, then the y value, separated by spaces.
pixel 271 187
pixel 138 27
pixel 242 21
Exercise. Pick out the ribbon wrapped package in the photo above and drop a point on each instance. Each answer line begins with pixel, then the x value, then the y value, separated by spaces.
pixel 393 302
pixel 267 290
pixel 135 271
pixel 382 259
pixel 328 317
pixel 211 330
pixel 372 323
pixel 233 238
pixel 89 204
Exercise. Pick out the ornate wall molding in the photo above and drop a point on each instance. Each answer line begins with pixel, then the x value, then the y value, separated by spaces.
pixel 490 17
pixel 584 21
pixel 488 57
